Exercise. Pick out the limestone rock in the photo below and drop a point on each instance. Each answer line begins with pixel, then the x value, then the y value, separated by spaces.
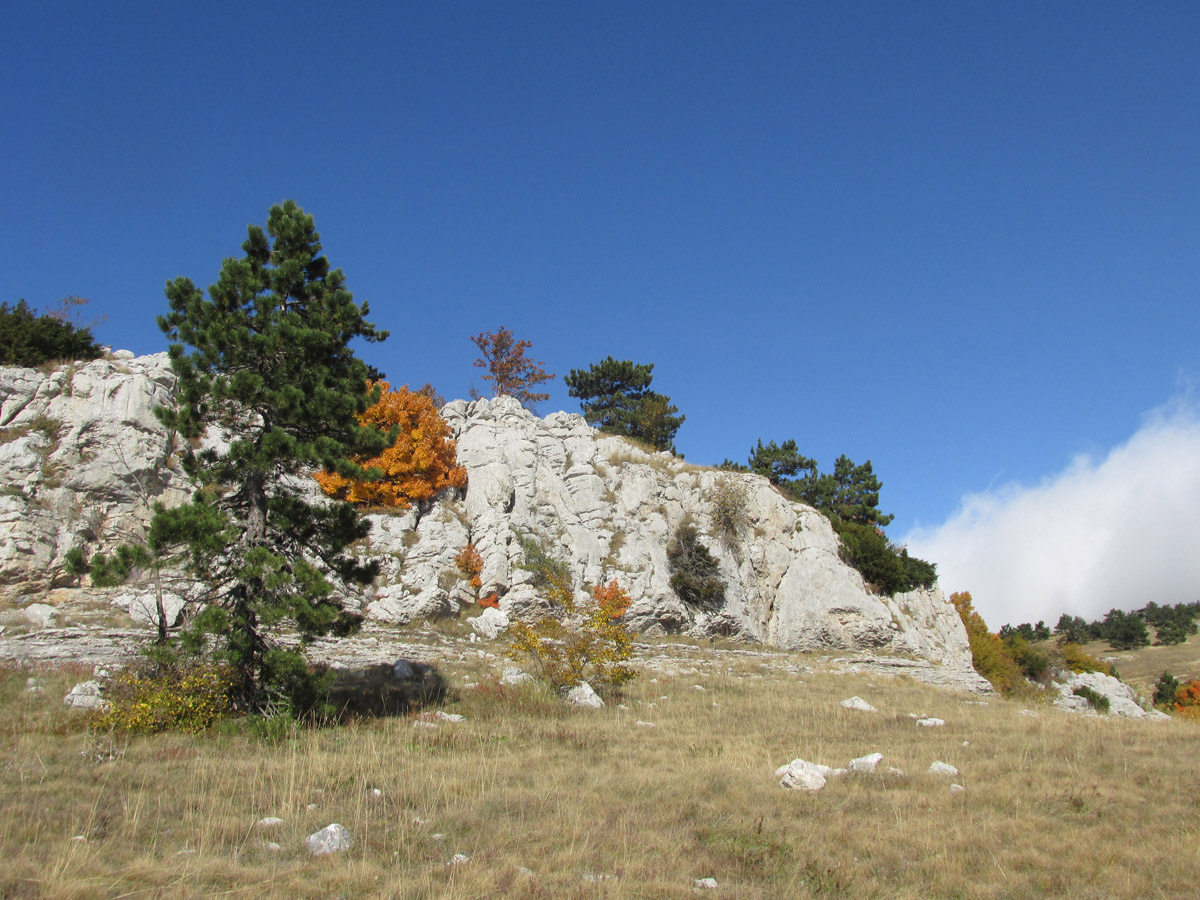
pixel 85 459
pixel 85 695
pixel 940 768
pixel 40 615
pixel 1122 699
pixel 858 703
pixel 330 839
pixel 583 695
pixel 865 763
pixel 801 775
pixel 931 722
pixel 513 675
pixel 489 623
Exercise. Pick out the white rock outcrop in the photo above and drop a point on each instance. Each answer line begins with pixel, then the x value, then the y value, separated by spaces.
pixel 83 457
pixel 1122 699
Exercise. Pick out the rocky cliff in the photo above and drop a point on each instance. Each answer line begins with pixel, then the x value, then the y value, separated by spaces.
pixel 81 455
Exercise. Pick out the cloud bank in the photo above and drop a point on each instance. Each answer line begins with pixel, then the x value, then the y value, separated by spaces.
pixel 1113 532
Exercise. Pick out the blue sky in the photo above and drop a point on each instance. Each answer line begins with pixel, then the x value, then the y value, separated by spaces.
pixel 958 239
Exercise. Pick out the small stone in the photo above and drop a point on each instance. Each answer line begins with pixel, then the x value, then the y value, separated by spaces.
pixel 1029 713
pixel 330 839
pixel 448 717
pixel 438 836
pixel 421 724
pixel 642 724
pixel 892 770
pixel 272 846
pixel 858 703
pixel 957 789
pixel 865 763
pixel 270 822
pixel 699 687
pixel 940 768
pixel 931 722
pixel 704 883
pixel 583 695
pixel 458 859
pixel 311 807
pixel 374 794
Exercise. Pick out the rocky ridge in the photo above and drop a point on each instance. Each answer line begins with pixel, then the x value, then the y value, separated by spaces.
pixel 82 457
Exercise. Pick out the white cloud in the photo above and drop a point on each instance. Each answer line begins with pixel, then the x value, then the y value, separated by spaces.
pixel 1113 532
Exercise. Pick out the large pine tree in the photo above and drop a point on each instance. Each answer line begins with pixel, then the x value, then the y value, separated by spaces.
pixel 616 398
pixel 272 388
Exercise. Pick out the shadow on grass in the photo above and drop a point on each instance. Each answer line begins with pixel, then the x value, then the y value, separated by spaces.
pixel 377 691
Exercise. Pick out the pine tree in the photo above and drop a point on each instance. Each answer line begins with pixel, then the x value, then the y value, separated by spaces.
pixel 272 377
pixel 616 398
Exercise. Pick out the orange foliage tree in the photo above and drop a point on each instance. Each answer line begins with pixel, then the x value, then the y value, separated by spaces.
pixel 470 564
pixel 420 463
pixel 1187 701
pixel 511 374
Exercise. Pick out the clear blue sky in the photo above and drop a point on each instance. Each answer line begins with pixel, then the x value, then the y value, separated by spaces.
pixel 958 239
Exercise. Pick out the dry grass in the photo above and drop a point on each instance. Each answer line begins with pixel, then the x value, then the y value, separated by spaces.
pixel 596 805
pixel 1142 667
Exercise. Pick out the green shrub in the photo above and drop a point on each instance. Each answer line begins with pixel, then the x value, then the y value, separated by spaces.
pixel 27 339
pixel 1096 701
pixel 694 571
pixel 144 701
pixel 1035 664
pixel 1165 691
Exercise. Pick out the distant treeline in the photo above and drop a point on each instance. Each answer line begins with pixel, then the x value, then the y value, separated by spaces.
pixel 1123 630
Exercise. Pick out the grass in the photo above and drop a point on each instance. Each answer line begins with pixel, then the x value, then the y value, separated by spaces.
pixel 595 805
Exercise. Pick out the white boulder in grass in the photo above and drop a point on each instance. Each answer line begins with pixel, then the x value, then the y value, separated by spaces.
pixel 513 675
pixel 85 695
pixel 865 763
pixel 940 768
pixel 330 839
pixel 489 623
pixel 802 775
pixel 931 722
pixel 583 695
pixel 858 703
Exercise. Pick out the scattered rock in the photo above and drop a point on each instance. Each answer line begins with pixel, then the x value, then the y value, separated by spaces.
pixel 269 822
pixel 859 703
pixel 458 859
pixel 330 839
pixel 272 846
pixel 1028 713
pixel 403 670
pixel 642 724
pixel 957 788
pixel 940 768
pixel 40 615
pixel 866 763
pixel 801 775
pixel 448 717
pixel 583 695
pixel 85 695
pixel 931 722
pixel 489 623
pixel 704 883
pixel 513 675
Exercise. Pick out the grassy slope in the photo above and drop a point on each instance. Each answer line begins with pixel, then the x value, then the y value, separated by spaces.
pixel 1056 805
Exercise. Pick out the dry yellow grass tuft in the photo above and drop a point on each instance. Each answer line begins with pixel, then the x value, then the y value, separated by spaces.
pixel 595 804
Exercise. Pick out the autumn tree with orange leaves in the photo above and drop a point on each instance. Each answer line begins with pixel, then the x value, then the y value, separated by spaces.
pixel 419 463
pixel 509 371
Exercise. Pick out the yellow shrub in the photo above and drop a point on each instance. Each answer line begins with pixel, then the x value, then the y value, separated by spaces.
pixel 989 656
pixel 180 701
pixel 1079 660
pixel 582 642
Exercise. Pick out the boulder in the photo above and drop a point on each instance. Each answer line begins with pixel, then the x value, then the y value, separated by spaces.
pixel 865 763
pixel 330 839
pixel 583 695
pixel 858 703
pixel 801 775
pixel 1122 699
pixel 85 695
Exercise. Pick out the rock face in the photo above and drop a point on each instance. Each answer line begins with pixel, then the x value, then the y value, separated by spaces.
pixel 84 456
pixel 1123 700
pixel 81 453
